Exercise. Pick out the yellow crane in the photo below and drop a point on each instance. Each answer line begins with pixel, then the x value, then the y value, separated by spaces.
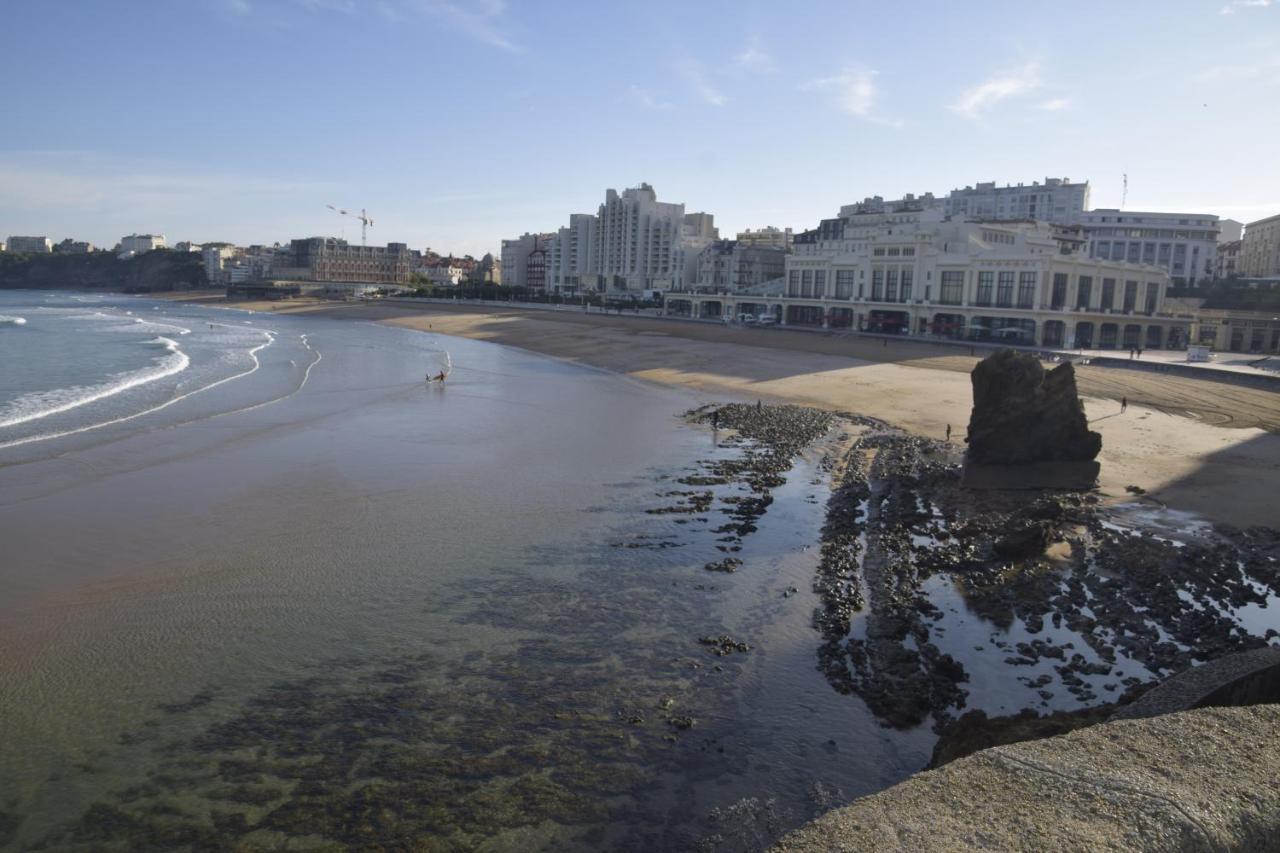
pixel 366 221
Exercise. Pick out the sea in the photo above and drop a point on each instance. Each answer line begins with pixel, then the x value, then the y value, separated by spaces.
pixel 263 585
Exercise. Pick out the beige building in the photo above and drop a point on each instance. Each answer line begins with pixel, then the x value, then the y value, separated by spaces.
pixel 332 259
pixel 1260 249
pixel 922 273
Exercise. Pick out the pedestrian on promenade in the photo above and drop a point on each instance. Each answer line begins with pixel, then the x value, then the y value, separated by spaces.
pixel 1139 352
pixel 1124 404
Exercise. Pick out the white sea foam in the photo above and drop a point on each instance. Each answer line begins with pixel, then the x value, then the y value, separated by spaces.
pixel 253 353
pixel 6 320
pixel 42 404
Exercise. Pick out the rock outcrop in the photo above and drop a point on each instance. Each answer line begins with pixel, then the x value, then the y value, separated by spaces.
pixel 1195 780
pixel 1021 414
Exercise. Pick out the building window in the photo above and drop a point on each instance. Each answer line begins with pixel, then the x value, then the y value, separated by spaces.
pixel 1084 292
pixel 1026 290
pixel 878 252
pixel 877 284
pixel 986 283
pixel 891 285
pixel 1134 250
pixel 844 284
pixel 806 284
pixel 905 285
pixel 1004 290
pixel 819 283
pixel 1059 296
pixel 793 286
pixel 1108 293
pixel 1130 295
pixel 908 252
pixel 1153 293
pixel 952 289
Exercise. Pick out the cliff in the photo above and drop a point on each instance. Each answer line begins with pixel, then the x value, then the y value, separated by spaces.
pixel 154 271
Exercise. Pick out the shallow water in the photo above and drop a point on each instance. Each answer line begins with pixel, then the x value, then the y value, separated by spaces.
pixel 306 593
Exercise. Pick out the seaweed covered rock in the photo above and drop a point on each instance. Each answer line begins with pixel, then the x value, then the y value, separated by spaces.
pixel 1022 415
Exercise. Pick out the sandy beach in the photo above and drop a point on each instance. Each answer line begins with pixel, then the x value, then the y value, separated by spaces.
pixel 1196 445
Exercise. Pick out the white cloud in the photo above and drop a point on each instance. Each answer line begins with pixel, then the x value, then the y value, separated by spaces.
pixel 237 7
pixel 754 58
pixel 1231 7
pixel 855 94
pixel 1006 84
pixel 478 19
pixel 1054 105
pixel 646 99
pixel 702 87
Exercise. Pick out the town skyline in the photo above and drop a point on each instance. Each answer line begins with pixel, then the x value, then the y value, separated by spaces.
pixel 762 118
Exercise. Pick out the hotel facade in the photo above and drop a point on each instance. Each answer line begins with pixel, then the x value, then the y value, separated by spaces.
pixel 921 272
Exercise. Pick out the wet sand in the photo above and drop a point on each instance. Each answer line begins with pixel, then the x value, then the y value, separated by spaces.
pixel 1197 445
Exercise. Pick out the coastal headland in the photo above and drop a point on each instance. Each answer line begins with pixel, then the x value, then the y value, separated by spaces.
pixel 1194 445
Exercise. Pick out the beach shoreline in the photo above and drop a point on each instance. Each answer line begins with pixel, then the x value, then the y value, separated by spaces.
pixel 1193 445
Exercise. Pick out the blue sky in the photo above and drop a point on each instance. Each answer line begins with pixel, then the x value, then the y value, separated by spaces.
pixel 459 122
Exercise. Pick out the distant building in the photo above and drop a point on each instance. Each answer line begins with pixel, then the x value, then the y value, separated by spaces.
pixel 767 238
pixel 332 259
pixel 1227 264
pixel 30 245
pixel 909 202
pixel 633 243
pixel 1229 230
pixel 1056 200
pixel 1259 254
pixel 488 270
pixel 139 243
pixel 186 246
pixel 730 266
pixel 924 273
pixel 515 259
pixel 73 247
pixel 571 254
pixel 1185 244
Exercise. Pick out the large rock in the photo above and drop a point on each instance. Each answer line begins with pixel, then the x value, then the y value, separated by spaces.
pixel 1023 415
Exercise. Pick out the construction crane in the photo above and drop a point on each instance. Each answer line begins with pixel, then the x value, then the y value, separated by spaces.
pixel 365 221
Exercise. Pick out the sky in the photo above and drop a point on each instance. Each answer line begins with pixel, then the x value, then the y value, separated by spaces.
pixel 457 123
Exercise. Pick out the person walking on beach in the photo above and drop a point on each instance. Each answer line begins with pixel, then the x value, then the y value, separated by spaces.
pixel 1124 404
pixel 948 433
pixel 715 419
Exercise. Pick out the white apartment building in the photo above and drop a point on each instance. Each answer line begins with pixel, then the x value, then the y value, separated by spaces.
pixel 1259 251
pixel 632 244
pixel 1185 244
pixel 30 245
pixel 139 243
pixel 921 273
pixel 1057 200
pixel 570 256
pixel 1230 230
pixel 636 238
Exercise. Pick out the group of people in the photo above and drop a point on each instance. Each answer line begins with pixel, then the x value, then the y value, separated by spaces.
pixel 1135 352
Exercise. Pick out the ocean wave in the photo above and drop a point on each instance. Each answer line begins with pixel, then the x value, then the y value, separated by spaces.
pixel 42 404
pixel 6 320
pixel 257 363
